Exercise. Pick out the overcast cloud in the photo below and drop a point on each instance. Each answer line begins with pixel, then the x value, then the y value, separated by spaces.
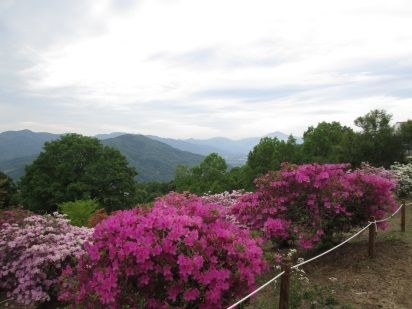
pixel 188 68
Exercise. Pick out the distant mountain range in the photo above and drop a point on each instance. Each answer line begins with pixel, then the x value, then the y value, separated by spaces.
pixel 155 158
pixel 233 151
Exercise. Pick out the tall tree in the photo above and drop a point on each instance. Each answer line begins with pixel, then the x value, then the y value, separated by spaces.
pixel 7 190
pixel 405 133
pixel 77 167
pixel 270 153
pixel 323 143
pixel 378 143
pixel 209 176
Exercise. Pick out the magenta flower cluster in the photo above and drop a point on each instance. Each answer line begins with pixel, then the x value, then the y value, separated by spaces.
pixel 307 203
pixel 33 253
pixel 226 200
pixel 182 253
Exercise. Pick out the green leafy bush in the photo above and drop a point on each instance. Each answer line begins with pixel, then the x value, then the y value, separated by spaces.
pixel 80 211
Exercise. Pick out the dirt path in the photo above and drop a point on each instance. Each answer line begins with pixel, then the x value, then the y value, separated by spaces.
pixel 360 282
pixel 382 282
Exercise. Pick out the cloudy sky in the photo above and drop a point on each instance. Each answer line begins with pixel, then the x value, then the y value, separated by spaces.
pixel 189 68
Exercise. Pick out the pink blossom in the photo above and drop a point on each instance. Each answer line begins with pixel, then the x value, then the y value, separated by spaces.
pixel 181 253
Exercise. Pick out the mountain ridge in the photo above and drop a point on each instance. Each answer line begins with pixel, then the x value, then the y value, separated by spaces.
pixel 19 148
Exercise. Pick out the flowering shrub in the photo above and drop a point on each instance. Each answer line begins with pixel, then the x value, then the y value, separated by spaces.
pixel 14 215
pixel 182 253
pixel 226 199
pixel 404 174
pixel 79 212
pixel 379 171
pixel 98 216
pixel 33 253
pixel 311 202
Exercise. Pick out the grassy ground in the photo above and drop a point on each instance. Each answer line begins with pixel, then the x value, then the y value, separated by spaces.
pixel 347 278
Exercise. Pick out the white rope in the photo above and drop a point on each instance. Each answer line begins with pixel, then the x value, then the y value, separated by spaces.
pixel 255 291
pixel 387 218
pixel 5 301
pixel 298 265
pixel 318 256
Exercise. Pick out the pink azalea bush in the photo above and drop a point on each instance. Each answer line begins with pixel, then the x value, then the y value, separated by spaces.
pixel 308 203
pixel 182 253
pixel 226 200
pixel 379 171
pixel 33 253
pixel 14 215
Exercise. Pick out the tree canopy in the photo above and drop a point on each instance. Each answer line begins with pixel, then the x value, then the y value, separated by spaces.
pixel 270 153
pixel 323 143
pixel 7 190
pixel 378 142
pixel 209 176
pixel 77 167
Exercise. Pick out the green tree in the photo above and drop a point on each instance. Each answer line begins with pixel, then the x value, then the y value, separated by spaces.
pixel 240 177
pixel 183 178
pixel 7 190
pixel 405 133
pixel 270 153
pixel 208 176
pixel 77 167
pixel 378 142
pixel 323 143
pixel 147 192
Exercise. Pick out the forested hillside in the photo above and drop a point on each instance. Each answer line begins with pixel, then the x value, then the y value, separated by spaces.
pixel 154 161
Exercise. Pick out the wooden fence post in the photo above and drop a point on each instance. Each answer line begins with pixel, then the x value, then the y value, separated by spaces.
pixel 403 214
pixel 372 232
pixel 284 283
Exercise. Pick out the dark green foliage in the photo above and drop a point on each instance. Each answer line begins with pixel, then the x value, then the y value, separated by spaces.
pixel 323 143
pixel 270 153
pixel 76 167
pixel 378 142
pixel 147 192
pixel 79 211
pixel 405 133
pixel 209 176
pixel 154 160
pixel 7 190
pixel 239 178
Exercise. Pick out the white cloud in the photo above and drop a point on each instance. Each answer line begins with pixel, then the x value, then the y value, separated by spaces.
pixel 204 68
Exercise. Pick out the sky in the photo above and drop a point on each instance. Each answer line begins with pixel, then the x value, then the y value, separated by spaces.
pixel 189 68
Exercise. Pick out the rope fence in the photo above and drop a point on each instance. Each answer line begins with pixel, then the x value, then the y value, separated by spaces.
pixel 286 265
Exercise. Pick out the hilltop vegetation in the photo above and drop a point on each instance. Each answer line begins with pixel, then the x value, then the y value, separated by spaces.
pixel 162 168
pixel 77 167
pixel 186 250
